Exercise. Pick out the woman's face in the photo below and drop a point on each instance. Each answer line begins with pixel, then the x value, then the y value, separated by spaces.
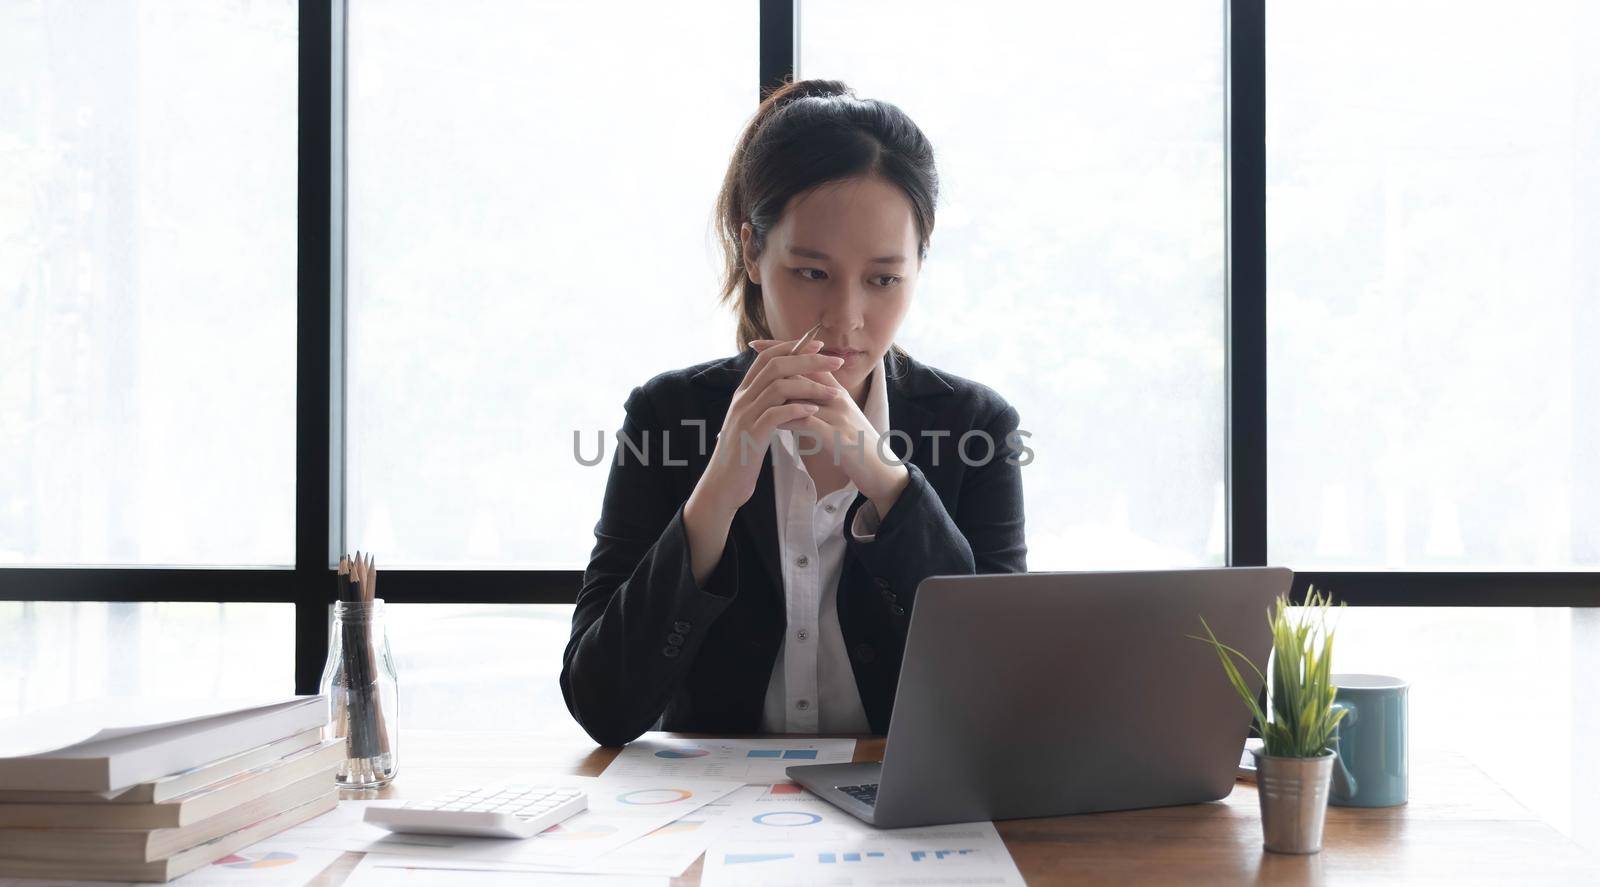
pixel 843 254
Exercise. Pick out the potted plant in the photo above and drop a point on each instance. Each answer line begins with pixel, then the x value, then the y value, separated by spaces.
pixel 1294 766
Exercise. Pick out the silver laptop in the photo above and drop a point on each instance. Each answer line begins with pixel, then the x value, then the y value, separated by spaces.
pixel 1043 694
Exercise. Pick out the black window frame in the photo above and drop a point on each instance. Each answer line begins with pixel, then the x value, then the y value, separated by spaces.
pixel 319 457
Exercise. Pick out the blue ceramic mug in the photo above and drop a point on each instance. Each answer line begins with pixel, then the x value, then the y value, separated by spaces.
pixel 1373 768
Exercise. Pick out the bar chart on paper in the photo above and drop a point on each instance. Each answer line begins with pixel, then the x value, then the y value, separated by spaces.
pixel 754 761
pixel 970 853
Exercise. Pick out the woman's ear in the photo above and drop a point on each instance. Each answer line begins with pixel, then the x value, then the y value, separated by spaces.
pixel 752 268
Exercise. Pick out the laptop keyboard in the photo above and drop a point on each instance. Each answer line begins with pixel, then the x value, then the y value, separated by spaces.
pixel 866 794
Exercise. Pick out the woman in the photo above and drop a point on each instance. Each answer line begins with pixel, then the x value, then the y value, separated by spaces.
pixel 766 586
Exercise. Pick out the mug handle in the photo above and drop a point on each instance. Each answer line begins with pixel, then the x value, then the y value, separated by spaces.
pixel 1344 781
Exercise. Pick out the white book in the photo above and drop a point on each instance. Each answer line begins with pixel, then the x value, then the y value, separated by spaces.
pixel 212 800
pixel 178 863
pixel 109 745
pixel 166 788
pixel 150 844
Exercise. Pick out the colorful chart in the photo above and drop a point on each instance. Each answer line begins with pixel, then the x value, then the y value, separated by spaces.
pixel 786 818
pixel 651 796
pixel 737 858
pixel 682 753
pixel 849 857
pixel 920 855
pixel 791 754
pixel 257 860
pixel 582 832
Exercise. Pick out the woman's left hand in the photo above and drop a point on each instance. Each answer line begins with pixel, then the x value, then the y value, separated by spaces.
pixel 844 435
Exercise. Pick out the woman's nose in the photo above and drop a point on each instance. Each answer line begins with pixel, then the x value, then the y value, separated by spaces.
pixel 844 311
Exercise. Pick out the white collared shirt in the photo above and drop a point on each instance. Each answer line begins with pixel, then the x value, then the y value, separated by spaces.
pixel 813 685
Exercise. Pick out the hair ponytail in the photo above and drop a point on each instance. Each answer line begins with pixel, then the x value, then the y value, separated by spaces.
pixel 806 133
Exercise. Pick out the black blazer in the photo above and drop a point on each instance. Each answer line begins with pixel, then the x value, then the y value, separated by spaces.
pixel 648 642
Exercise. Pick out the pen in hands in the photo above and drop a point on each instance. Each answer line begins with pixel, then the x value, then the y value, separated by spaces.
pixel 775 393
pixel 806 339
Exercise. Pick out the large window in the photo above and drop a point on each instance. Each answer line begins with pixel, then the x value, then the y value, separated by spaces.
pixel 1078 258
pixel 1433 212
pixel 1304 282
pixel 147 283
pixel 530 188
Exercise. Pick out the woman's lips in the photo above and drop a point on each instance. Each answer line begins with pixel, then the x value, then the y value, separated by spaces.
pixel 850 355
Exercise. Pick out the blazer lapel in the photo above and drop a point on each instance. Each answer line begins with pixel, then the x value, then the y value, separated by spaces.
pixel 910 414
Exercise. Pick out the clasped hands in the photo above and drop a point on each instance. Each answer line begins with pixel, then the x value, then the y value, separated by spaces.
pixel 843 433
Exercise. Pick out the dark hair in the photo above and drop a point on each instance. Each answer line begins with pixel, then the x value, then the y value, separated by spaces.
pixel 808 133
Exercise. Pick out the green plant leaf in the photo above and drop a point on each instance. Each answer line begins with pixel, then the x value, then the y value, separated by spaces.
pixel 1299 719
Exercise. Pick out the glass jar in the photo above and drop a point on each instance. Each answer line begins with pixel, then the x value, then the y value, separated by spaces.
pixel 363 695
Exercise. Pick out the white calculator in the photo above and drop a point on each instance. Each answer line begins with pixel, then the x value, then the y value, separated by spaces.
pixel 512 811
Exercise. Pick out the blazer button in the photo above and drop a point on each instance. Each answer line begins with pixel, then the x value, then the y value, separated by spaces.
pixel 889 596
pixel 675 639
pixel 681 627
pixel 865 653
pixel 671 652
pixel 880 582
pixel 899 610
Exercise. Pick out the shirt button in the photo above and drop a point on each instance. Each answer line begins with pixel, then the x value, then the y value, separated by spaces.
pixel 802 561
pixel 802 634
pixel 803 704
pixel 830 508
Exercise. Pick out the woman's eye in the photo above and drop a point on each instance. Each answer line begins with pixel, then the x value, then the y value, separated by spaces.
pixel 817 274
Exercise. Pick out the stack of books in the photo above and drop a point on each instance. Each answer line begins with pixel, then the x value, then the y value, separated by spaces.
pixel 139 790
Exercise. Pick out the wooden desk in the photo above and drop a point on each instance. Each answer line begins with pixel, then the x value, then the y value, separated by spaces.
pixel 1460 827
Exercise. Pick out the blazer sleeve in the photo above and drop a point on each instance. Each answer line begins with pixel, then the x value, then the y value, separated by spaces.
pixel 640 615
pixel 919 537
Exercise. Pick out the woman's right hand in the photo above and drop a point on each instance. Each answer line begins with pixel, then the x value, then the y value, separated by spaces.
pixel 774 394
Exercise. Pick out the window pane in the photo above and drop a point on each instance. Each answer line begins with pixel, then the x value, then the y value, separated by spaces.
pixel 1077 264
pixel 1433 207
pixel 147 282
pixel 530 189
pixel 53 653
pixel 480 666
